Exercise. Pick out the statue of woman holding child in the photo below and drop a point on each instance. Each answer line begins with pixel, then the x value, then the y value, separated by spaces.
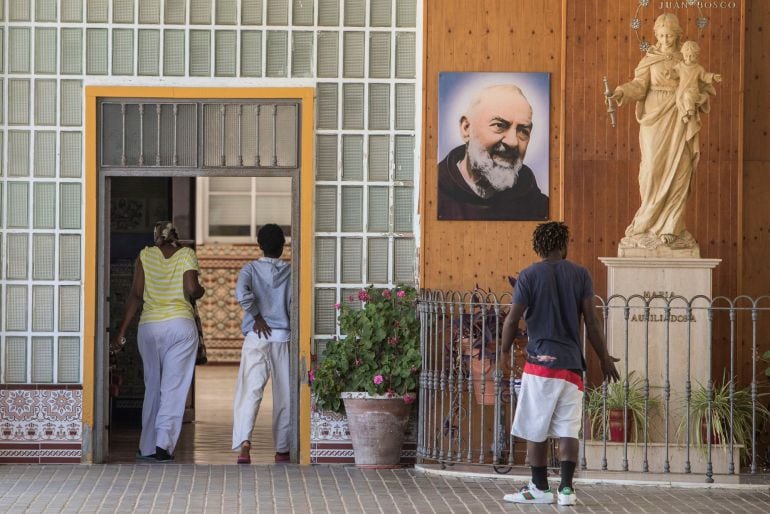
pixel 670 93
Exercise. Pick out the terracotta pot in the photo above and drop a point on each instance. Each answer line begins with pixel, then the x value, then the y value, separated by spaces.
pixel 483 370
pixel 377 425
pixel 617 433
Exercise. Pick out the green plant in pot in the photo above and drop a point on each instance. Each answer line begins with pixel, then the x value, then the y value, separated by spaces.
pixel 717 411
pixel 372 373
pixel 618 403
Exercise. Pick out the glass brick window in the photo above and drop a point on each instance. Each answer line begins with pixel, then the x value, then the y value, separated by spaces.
pixel 365 148
pixel 361 56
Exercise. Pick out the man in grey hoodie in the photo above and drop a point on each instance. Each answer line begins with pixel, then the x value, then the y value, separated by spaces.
pixel 264 292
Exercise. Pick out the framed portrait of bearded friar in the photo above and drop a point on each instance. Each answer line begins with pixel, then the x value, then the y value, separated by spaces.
pixel 493 143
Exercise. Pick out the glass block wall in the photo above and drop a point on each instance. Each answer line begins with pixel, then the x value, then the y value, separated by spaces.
pixel 362 57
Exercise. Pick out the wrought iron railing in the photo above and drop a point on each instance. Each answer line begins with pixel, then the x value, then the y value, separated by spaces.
pixel 684 404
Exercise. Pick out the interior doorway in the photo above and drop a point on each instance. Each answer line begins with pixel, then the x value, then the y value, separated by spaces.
pixel 219 218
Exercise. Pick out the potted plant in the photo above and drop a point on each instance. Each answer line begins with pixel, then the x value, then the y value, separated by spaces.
pixel 717 411
pixel 372 373
pixel 474 336
pixel 617 403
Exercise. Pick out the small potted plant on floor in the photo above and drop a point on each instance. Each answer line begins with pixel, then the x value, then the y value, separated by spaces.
pixel 717 412
pixel 372 372
pixel 618 403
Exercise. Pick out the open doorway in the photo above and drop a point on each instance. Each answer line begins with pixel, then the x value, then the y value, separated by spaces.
pixel 219 217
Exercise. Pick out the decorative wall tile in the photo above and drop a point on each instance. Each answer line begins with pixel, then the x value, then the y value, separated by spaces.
pixel 40 415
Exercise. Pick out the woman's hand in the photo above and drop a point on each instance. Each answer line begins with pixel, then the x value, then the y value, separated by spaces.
pixel 118 342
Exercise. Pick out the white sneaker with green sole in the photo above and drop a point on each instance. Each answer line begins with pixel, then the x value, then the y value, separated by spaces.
pixel 530 494
pixel 567 496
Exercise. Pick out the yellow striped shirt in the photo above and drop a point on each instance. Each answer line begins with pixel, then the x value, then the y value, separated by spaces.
pixel 164 297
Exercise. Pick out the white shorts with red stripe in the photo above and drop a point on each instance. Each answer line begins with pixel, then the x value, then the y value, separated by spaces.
pixel 549 404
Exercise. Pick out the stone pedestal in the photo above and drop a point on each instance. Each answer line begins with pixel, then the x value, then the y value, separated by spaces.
pixel 666 346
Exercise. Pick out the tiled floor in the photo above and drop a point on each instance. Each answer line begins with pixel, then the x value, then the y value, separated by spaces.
pixel 207 440
pixel 333 489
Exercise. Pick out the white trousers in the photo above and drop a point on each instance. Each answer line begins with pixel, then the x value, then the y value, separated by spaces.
pixel 168 350
pixel 261 359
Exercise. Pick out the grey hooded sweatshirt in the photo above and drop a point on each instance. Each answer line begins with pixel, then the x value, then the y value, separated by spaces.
pixel 264 287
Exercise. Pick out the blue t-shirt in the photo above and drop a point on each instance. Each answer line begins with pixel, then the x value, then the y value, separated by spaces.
pixel 552 292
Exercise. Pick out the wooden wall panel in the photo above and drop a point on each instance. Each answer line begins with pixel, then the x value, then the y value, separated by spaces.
pixel 755 247
pixel 601 164
pixel 494 35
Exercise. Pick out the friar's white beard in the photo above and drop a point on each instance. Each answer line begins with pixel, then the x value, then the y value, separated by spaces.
pixel 491 175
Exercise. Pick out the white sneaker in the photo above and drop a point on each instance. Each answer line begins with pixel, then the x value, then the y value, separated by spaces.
pixel 567 496
pixel 530 494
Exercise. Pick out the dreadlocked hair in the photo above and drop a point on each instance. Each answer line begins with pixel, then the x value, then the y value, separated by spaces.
pixel 550 236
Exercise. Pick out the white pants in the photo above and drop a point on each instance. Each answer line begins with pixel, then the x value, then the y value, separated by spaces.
pixel 261 359
pixel 168 350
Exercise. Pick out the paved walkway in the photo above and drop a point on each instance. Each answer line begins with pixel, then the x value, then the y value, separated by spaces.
pixel 334 489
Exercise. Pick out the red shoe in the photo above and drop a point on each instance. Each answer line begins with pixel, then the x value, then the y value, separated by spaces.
pixel 244 460
pixel 282 457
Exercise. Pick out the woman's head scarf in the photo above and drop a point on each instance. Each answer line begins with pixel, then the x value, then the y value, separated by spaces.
pixel 165 233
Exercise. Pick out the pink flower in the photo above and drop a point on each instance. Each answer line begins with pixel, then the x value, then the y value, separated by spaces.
pixel 377 379
pixel 311 376
pixel 337 306
pixel 413 369
pixel 401 294
pixel 392 341
pixel 363 295
pixel 408 399
pixel 358 363
pixel 386 294
pixel 390 393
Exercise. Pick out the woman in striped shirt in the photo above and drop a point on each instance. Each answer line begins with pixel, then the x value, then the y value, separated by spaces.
pixel 165 285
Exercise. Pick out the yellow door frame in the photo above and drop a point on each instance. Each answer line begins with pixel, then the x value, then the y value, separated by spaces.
pixel 306 96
